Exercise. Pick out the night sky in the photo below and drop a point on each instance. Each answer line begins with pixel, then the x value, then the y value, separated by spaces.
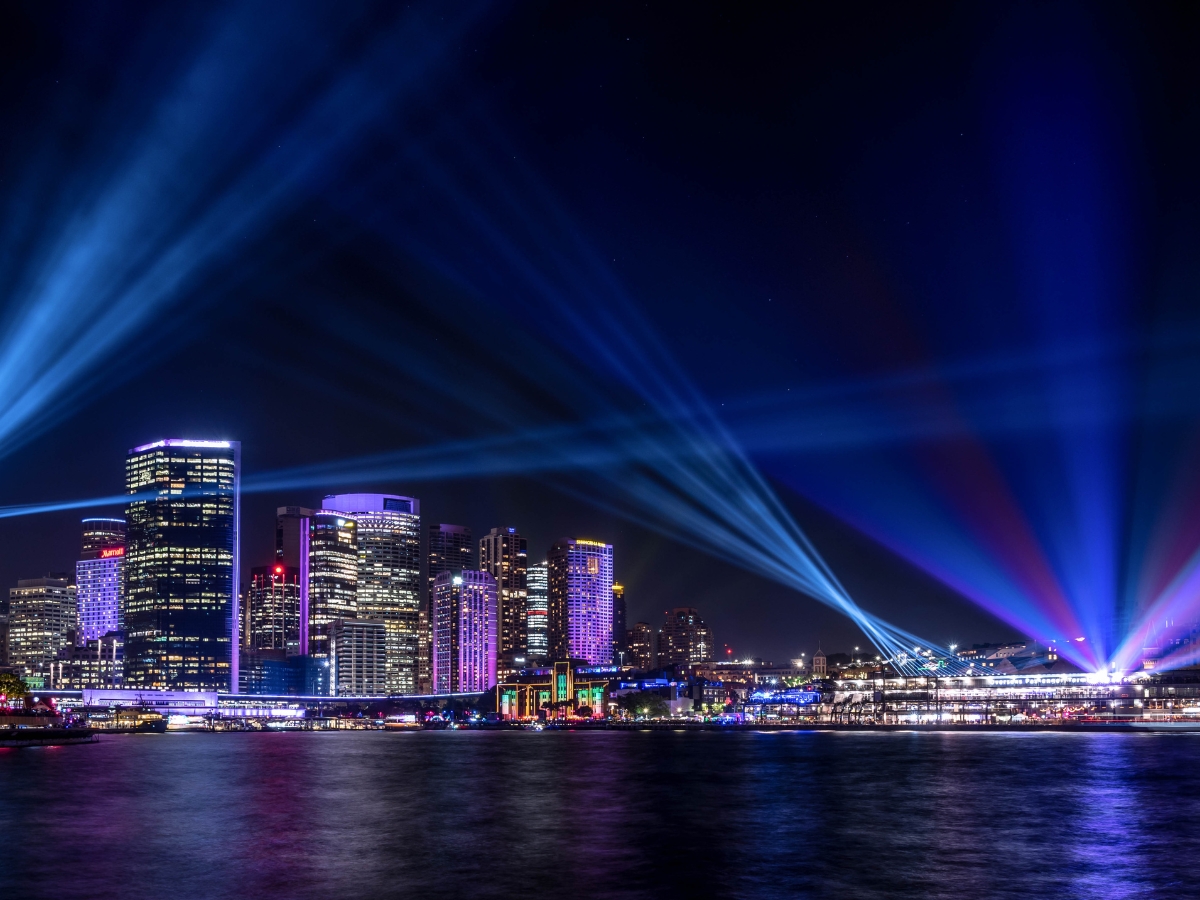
pixel 931 268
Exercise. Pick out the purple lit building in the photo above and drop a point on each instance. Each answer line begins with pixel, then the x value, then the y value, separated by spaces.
pixel 581 601
pixel 465 632
pixel 100 579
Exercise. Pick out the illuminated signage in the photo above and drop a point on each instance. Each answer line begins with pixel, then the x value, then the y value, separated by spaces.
pixel 109 552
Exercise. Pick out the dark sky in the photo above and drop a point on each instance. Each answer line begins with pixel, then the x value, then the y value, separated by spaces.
pixel 932 267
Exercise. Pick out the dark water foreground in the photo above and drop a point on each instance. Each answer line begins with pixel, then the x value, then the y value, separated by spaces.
pixel 603 814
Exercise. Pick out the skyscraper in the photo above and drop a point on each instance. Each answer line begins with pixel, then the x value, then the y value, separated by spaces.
pixel 41 622
pixel 620 638
pixel 581 600
pixel 465 632
pixel 100 579
pixel 273 605
pixel 502 552
pixel 332 575
pixel 292 552
pixel 181 565
pixel 449 549
pixel 538 612
pixel 389 575
pixel 641 646
pixel 684 639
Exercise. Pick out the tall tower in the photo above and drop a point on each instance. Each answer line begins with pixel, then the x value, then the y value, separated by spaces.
pixel 41 618
pixel 502 552
pixel 581 600
pixel 685 638
pixel 100 579
pixel 181 565
pixel 538 612
pixel 465 632
pixel 332 575
pixel 448 550
pixel 641 646
pixel 389 576
pixel 620 637
pixel 273 620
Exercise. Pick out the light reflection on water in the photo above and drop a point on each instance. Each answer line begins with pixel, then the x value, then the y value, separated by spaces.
pixel 603 814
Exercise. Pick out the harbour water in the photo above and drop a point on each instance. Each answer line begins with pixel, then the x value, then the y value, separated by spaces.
pixel 603 815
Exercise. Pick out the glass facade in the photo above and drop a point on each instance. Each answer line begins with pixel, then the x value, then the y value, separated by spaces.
pixel 465 632
pixel 274 609
pixel 502 552
pixel 581 600
pixel 332 575
pixel 538 612
pixel 620 638
pixel 389 576
pixel 100 579
pixel 181 566
pixel 448 549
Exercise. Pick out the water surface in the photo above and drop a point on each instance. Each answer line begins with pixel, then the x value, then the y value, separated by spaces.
pixel 604 815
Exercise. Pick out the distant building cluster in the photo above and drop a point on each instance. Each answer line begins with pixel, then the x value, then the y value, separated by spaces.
pixel 361 598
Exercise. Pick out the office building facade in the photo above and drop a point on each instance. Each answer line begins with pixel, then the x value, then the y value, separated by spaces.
pixel 100 579
pixel 685 639
pixel 273 620
pixel 641 646
pixel 332 575
pixel 465 632
pixel 358 657
pixel 581 600
pixel 41 622
pixel 448 548
pixel 389 575
pixel 538 613
pixel 620 636
pixel 97 663
pixel 503 553
pixel 181 566
pixel 292 552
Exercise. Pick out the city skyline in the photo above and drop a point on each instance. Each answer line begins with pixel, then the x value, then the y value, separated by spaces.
pixel 464 542
pixel 810 414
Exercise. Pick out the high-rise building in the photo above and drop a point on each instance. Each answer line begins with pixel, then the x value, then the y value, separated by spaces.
pixel 620 644
pixel 389 575
pixel 100 579
pixel 424 651
pixel 181 566
pixel 465 632
pixel 538 612
pixel 448 549
pixel 3 629
pixel 41 622
pixel 641 646
pixel 273 610
pixel 684 638
pixel 358 657
pixel 581 600
pixel 332 575
pixel 502 552
pixel 292 552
